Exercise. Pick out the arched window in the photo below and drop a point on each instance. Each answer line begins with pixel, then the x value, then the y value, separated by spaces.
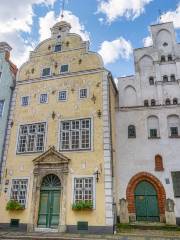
pixel 158 163
pixel 172 77
pixel 153 102
pixel 175 101
pixel 151 81
pixel 169 57
pixel 168 101
pixel 165 78
pixel 163 59
pixel 153 127
pixel 131 131
pixel 173 125
pixel 146 103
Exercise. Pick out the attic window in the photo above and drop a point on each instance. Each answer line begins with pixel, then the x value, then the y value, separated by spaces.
pixel 165 44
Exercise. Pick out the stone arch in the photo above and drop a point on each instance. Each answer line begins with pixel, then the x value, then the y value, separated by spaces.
pixel 145 176
pixel 130 96
pixel 164 36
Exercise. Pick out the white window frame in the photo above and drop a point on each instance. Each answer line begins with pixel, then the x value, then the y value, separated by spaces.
pixel 63 100
pixel 18 136
pixel 70 148
pixel 40 98
pixel 63 65
pixel 50 74
pixel 22 101
pixel 57 45
pixel 1 115
pixel 82 98
pixel 94 188
pixel 28 186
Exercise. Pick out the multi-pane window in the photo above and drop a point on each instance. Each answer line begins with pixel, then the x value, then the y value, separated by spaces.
pixel 1 107
pixel 173 126
pixel 46 72
pixel 153 133
pixel 176 183
pixel 131 131
pixel 153 127
pixel 43 98
pixel 31 138
pixel 83 189
pixel 64 68
pixel 83 93
pixel 63 95
pixel 57 48
pixel 174 131
pixel 25 101
pixel 75 135
pixel 19 191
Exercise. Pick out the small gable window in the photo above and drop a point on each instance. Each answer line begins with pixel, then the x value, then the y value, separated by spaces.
pixel 151 81
pixel 158 163
pixel 146 103
pixel 153 102
pixel 173 78
pixel 46 72
pixel 43 98
pixel 131 131
pixel 58 48
pixel 175 101
pixel 64 68
pixel 169 57
pixel 165 78
pixel 163 59
pixel 168 102
pixel 25 101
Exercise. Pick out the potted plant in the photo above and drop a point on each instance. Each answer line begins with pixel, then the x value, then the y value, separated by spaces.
pixel 82 205
pixel 14 205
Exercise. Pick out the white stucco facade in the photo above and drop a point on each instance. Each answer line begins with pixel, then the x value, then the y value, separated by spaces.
pixel 156 82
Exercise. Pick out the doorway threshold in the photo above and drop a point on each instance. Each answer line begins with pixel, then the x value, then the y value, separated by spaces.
pixel 53 230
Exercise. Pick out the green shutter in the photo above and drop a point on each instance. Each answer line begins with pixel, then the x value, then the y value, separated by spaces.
pixel 176 183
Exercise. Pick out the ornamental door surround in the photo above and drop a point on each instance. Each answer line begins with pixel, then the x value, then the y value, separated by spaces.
pixel 50 162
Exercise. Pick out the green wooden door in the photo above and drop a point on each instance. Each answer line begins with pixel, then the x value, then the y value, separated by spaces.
pixel 49 206
pixel 146 202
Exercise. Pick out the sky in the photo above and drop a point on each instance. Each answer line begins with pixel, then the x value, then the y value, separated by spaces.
pixel 113 27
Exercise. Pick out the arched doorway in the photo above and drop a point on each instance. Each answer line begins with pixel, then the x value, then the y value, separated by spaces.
pixel 146 202
pixel 49 205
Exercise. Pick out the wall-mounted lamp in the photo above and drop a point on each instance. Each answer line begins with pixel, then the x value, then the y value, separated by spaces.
pixel 97 173
pixel 53 115
pixel 93 98
pixel 99 113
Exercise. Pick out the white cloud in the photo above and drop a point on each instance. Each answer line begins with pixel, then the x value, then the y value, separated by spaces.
pixel 114 9
pixel 147 41
pixel 17 18
pixel 50 19
pixel 172 16
pixel 118 48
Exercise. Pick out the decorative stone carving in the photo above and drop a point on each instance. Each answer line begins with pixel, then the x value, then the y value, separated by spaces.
pixel 170 214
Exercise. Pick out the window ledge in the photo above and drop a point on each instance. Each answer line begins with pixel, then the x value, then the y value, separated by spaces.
pixel 131 137
pixel 174 136
pixel 154 137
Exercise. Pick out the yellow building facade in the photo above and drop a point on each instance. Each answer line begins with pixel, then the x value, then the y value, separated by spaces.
pixel 58 162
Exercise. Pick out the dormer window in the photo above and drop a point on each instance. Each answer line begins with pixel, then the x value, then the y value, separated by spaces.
pixel 175 101
pixel 165 78
pixel 64 68
pixel 58 48
pixel 163 59
pixel 173 78
pixel 168 102
pixel 151 81
pixel 169 57
pixel 146 103
pixel 153 102
pixel 46 72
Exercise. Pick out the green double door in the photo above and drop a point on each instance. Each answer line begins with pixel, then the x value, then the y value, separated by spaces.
pixel 49 209
pixel 146 202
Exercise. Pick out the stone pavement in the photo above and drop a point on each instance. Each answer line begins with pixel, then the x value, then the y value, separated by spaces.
pixel 130 235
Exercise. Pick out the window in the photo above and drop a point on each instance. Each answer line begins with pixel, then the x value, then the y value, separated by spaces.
pixel 75 135
pixel 46 72
pixel 176 183
pixel 151 81
pixel 153 127
pixel 25 101
pixel 146 103
pixel 43 98
pixel 19 190
pixel 57 48
pixel 165 78
pixel 172 77
pixel 163 59
pixel 153 102
pixel 0 74
pixel 169 57
pixel 158 163
pixel 131 131
pixel 83 189
pixel 1 107
pixel 83 93
pixel 168 101
pixel 175 101
pixel 63 95
pixel 31 138
pixel 64 68
pixel 173 125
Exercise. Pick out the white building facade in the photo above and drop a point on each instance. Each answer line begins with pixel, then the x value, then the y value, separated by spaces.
pixel 148 133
